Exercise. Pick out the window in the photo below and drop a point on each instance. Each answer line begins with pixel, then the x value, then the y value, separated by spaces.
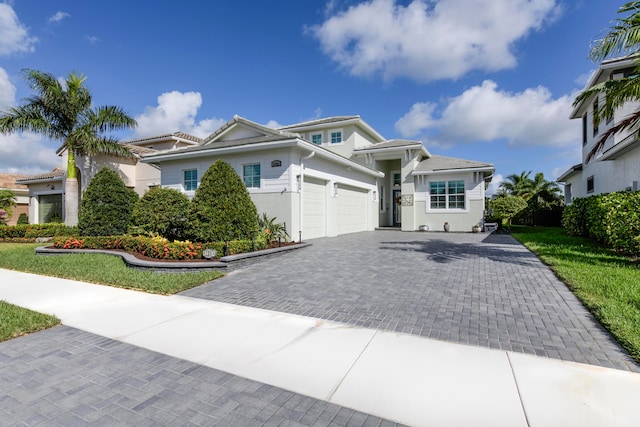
pixel 456 194
pixel 567 193
pixel 595 112
pixel 584 130
pixel 251 175
pixel 336 136
pixel 590 186
pixel 438 191
pixel 316 138
pixel 446 195
pixel 397 179
pixel 382 198
pixel 190 179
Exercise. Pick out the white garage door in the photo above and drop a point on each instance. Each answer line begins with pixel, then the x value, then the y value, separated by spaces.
pixel 352 209
pixel 314 217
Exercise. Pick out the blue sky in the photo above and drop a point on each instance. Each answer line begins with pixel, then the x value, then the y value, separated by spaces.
pixel 486 80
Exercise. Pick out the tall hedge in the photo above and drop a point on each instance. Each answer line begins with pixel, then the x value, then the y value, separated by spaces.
pixel 222 209
pixel 106 206
pixel 613 219
pixel 162 211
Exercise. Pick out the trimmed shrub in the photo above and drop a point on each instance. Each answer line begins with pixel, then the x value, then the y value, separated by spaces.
pixel 106 205
pixel 162 211
pixel 222 209
pixel 507 207
pixel 612 219
pixel 23 219
pixel 37 230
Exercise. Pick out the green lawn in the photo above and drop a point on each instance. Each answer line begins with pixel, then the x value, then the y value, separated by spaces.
pixel 608 284
pixel 98 268
pixel 16 321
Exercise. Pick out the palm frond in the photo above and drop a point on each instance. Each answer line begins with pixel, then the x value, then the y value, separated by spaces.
pixel 629 122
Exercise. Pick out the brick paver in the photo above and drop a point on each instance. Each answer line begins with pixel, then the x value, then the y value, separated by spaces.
pixel 67 377
pixel 478 289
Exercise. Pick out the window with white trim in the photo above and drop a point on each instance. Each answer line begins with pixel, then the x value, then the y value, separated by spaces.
pixel 190 179
pixel 446 195
pixel 590 185
pixel 335 136
pixel 316 138
pixel 251 175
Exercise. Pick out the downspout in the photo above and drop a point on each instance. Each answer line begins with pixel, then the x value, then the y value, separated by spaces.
pixel 301 198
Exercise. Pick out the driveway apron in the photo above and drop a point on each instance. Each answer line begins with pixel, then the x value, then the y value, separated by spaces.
pixel 477 289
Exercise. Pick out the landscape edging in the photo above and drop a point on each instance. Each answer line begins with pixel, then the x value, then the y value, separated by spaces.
pixel 225 262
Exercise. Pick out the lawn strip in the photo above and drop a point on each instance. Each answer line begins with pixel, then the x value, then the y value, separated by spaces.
pixel 17 321
pixel 98 268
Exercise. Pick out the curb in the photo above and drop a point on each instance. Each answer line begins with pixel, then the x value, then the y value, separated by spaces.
pixel 225 263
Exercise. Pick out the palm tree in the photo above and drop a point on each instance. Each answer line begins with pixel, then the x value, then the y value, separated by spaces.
pixel 545 193
pixel 518 185
pixel 623 39
pixel 63 112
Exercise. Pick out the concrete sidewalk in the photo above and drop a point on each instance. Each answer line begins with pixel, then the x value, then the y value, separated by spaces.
pixel 404 378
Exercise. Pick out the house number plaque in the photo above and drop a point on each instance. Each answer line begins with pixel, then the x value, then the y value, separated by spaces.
pixel 407 200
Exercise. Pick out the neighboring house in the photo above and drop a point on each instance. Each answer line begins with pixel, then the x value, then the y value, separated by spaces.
pixel 335 176
pixel 8 182
pixel 616 167
pixel 46 191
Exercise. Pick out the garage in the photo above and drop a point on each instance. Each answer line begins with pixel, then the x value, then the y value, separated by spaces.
pixel 314 218
pixel 352 212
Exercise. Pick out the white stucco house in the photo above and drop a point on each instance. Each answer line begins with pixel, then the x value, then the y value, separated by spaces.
pixel 334 176
pixel 615 167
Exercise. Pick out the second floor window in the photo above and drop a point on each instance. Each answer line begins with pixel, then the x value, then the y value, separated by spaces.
pixel 316 138
pixel 595 113
pixel 336 137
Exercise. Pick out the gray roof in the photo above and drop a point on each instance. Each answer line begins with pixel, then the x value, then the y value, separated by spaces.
pixel 226 144
pixel 241 120
pixel 442 163
pixel 180 135
pixel 56 173
pixel 317 122
pixel 392 143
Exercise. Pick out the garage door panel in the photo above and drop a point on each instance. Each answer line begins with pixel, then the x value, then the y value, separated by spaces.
pixel 352 209
pixel 315 208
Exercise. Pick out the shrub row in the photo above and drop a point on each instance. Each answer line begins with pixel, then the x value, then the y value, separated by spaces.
pixel 612 219
pixel 37 230
pixel 157 247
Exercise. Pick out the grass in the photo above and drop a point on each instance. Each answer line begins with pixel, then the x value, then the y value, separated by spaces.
pixel 17 321
pixel 98 268
pixel 608 284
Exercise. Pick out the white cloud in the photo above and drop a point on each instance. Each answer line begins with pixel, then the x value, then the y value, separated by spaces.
pixel 14 36
pixel 273 124
pixel 26 152
pixel 93 39
pixel 176 111
pixel 7 90
pixel 58 17
pixel 430 40
pixel 494 185
pixel 485 113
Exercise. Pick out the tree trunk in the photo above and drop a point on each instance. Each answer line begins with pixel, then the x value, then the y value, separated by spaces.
pixel 71 199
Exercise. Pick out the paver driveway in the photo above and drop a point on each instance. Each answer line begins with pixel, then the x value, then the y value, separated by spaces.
pixel 477 289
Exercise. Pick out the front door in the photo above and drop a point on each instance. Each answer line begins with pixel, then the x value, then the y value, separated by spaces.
pixel 397 208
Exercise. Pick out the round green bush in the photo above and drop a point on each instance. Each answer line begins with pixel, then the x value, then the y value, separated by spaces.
pixel 23 219
pixel 222 209
pixel 106 206
pixel 162 211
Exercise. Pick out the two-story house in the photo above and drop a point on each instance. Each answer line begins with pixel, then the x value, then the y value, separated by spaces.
pixel 336 175
pixel 616 166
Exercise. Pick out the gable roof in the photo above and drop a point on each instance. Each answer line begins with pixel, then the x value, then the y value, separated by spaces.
pixel 572 170
pixel 440 164
pixel 56 174
pixel 237 120
pixel 317 122
pixel 334 121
